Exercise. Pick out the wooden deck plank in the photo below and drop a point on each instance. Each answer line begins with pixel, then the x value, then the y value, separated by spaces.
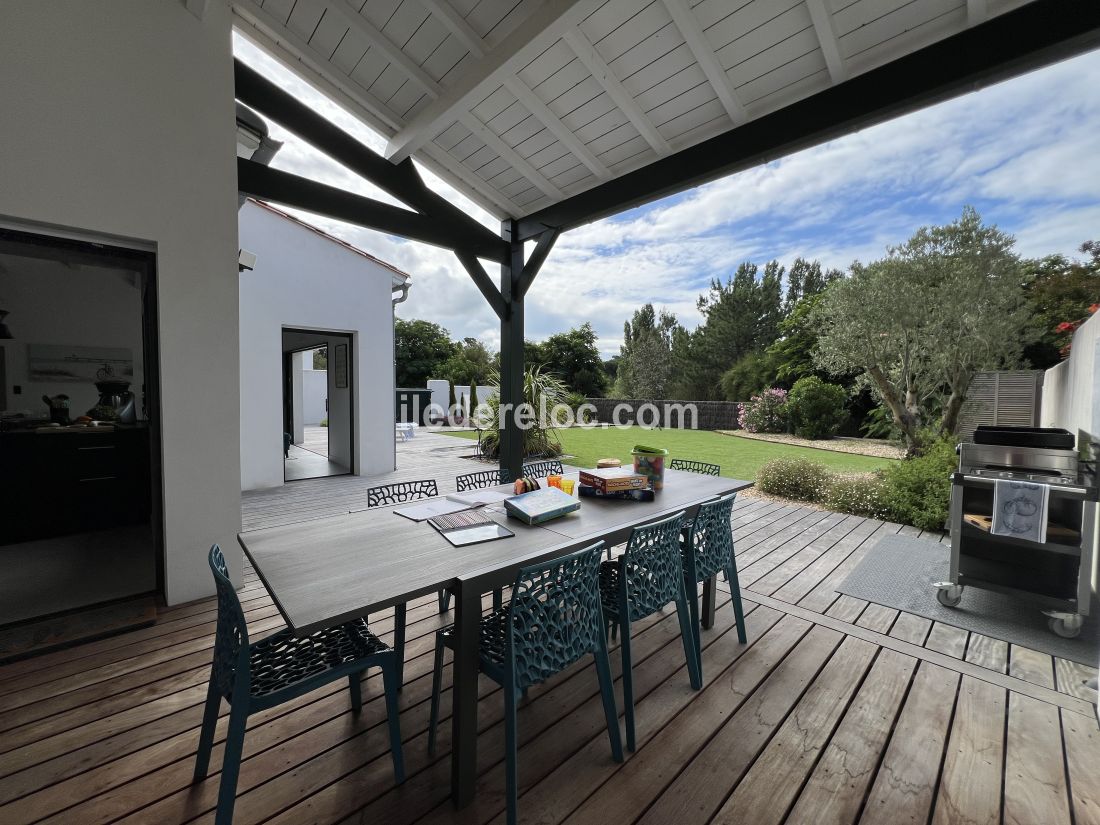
pixel 905 785
pixel 1035 667
pixel 947 639
pixel 1035 774
pixel 911 628
pixel 840 781
pixel 987 652
pixel 878 618
pixel 970 786
pixel 105 732
pixel 1082 743
pixel 694 796
pixel 665 739
pixel 772 784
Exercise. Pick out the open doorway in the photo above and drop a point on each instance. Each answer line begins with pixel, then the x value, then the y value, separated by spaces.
pixel 79 438
pixel 317 404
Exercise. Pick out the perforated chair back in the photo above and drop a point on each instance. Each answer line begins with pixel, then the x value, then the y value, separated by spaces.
pixel 695 466
pixel 231 631
pixel 484 478
pixel 537 469
pixel 711 539
pixel 555 616
pixel 652 566
pixel 401 491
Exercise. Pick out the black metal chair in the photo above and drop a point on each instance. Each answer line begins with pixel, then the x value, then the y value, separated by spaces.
pixel 552 620
pixel 401 491
pixel 481 479
pixel 648 576
pixel 538 469
pixel 707 549
pixel 255 676
pixel 695 466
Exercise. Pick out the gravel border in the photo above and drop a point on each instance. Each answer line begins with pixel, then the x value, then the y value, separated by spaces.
pixel 856 446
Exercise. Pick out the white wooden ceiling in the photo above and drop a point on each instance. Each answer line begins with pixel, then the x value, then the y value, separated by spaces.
pixel 521 103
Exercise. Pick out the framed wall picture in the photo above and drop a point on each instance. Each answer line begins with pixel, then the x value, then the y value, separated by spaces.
pixel 340 365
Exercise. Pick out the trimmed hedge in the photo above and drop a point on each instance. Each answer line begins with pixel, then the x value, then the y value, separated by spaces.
pixel 815 408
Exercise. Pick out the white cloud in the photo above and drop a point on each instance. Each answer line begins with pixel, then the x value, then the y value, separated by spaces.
pixel 1022 151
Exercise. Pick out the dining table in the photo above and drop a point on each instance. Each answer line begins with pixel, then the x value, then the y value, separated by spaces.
pixel 331 570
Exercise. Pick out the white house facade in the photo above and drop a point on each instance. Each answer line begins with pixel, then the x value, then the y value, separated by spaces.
pixel 309 289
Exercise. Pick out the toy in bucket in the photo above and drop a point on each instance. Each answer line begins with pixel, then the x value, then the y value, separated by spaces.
pixel 650 462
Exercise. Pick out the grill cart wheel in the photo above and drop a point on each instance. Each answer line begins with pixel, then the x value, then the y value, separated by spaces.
pixel 949 595
pixel 1066 625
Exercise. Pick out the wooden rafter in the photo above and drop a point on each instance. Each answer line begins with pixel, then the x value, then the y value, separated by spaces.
pixel 481 77
pixel 510 155
pixel 456 24
pixel 826 36
pixel 615 89
pixel 701 49
pixel 525 95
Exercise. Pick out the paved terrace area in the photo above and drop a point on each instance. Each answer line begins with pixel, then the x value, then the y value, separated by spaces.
pixel 836 711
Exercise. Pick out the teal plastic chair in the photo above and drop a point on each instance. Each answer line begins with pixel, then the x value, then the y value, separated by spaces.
pixel 648 576
pixel 691 466
pixel 552 621
pixel 707 549
pixel 256 676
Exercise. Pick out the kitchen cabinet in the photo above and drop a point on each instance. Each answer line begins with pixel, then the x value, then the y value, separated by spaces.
pixel 62 482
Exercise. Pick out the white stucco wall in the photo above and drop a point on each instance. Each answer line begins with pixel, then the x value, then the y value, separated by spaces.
pixel 314 395
pixel 1071 390
pixel 118 120
pixel 306 281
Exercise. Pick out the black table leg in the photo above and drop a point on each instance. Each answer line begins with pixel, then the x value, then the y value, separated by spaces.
pixel 464 696
pixel 710 587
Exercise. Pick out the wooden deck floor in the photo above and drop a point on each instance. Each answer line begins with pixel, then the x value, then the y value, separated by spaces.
pixel 836 711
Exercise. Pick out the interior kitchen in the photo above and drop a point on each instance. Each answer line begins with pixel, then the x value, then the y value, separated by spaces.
pixel 79 536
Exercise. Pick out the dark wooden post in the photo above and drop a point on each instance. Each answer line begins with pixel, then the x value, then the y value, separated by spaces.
pixel 511 352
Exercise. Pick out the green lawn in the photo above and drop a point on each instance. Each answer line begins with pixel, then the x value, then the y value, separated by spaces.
pixel 738 457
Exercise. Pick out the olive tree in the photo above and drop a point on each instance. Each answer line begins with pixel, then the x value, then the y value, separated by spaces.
pixel 920 322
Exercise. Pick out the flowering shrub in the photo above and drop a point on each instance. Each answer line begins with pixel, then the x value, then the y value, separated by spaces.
pixel 764 413
pixel 816 409
pixel 1067 328
pixel 797 478
pixel 860 495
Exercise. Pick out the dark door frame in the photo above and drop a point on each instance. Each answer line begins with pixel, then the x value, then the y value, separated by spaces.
pixel 40 243
pixel 288 386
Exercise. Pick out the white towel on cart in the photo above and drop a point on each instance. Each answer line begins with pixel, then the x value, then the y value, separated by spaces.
pixel 1020 509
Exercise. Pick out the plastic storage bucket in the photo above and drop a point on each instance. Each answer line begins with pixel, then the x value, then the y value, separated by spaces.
pixel 650 462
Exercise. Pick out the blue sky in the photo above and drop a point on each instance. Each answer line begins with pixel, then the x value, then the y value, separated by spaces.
pixel 1025 152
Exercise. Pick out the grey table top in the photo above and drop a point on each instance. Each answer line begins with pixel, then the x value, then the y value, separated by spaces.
pixel 331 570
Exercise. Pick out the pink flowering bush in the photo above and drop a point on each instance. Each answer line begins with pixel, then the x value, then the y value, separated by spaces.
pixel 764 413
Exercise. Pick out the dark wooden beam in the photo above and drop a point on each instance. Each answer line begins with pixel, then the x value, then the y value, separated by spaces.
pixel 261 181
pixel 1034 35
pixel 402 180
pixel 483 282
pixel 535 262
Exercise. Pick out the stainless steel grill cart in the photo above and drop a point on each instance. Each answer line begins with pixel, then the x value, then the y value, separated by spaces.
pixel 1055 574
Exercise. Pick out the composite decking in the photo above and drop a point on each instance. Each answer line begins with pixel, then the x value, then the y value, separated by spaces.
pixel 835 711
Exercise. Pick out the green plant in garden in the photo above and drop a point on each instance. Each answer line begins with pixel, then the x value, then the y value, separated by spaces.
pixel 473 400
pixel 451 400
pixel 815 408
pixel 542 391
pixel 764 413
pixel 918 490
pixel 324 422
pixel 860 495
pixel 800 479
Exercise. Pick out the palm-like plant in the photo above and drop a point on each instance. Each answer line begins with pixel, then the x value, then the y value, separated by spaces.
pixel 543 391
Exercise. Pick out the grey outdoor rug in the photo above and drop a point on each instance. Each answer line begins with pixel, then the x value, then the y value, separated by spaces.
pixel 899 571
